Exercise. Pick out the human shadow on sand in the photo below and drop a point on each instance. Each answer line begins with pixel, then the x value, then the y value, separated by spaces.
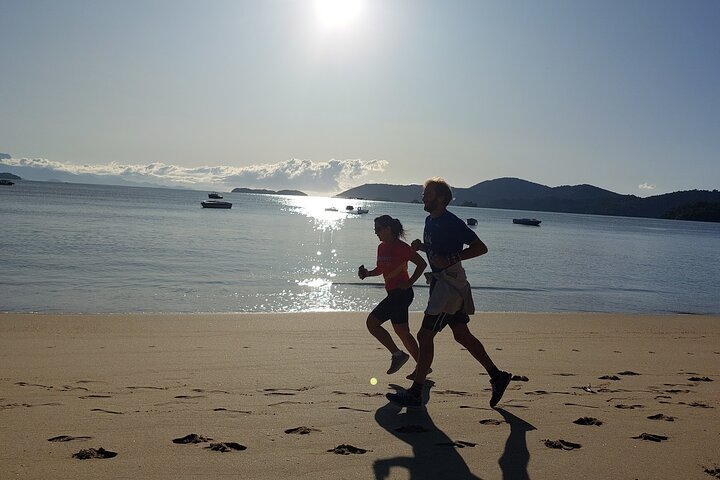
pixel 433 458
pixel 514 460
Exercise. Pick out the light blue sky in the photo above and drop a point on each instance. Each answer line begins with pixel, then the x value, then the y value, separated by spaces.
pixel 616 94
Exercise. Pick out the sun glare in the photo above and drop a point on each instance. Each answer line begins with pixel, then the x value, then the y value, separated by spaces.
pixel 337 13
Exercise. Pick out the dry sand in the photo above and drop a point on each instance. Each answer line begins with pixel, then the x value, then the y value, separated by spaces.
pixel 130 384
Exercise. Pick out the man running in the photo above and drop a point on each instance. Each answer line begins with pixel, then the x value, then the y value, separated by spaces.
pixel 450 302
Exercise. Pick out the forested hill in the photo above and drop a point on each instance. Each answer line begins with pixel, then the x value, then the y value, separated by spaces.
pixel 517 194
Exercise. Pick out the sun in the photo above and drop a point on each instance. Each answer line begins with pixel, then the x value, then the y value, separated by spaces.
pixel 338 13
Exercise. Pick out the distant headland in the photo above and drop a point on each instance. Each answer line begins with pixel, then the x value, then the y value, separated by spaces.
pixel 517 194
pixel 262 191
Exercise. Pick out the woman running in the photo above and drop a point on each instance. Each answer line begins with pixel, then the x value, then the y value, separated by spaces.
pixel 392 263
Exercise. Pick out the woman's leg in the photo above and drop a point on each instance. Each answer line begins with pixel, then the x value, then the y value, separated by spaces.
pixel 374 326
pixel 403 332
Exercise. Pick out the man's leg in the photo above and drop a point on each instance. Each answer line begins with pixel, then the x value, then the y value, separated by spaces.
pixel 499 380
pixel 412 397
pixel 426 353
pixel 464 337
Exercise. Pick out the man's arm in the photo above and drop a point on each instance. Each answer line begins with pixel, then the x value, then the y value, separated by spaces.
pixel 476 248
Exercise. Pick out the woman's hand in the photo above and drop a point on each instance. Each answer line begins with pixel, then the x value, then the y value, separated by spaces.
pixel 362 272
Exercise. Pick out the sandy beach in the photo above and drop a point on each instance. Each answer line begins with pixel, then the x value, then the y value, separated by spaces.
pixel 278 395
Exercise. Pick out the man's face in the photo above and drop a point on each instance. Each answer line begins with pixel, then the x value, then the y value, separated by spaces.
pixel 430 200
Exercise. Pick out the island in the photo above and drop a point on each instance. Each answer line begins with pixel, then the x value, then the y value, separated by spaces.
pixel 262 191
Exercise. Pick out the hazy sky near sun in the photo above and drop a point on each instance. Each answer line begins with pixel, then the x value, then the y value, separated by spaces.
pixel 621 94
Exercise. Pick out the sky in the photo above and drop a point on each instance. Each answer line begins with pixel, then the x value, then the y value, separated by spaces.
pixel 322 96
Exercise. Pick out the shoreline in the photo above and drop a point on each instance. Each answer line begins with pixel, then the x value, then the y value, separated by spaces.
pixel 133 384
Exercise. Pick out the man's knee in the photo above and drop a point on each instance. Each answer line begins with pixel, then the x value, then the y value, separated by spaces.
pixel 462 334
pixel 425 335
pixel 372 322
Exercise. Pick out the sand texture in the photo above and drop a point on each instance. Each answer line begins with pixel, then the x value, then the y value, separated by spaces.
pixel 277 396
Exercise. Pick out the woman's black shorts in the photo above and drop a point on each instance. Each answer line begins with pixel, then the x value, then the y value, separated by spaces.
pixel 395 306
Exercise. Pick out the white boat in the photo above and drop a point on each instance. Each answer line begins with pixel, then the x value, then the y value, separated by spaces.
pixel 527 221
pixel 215 204
pixel 331 209
pixel 472 221
pixel 214 195
pixel 356 211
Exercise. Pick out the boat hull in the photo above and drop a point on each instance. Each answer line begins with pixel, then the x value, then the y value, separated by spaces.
pixel 215 204
pixel 527 221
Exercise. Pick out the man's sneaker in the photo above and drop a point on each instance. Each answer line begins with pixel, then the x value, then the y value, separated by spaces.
pixel 412 375
pixel 397 362
pixel 404 398
pixel 499 384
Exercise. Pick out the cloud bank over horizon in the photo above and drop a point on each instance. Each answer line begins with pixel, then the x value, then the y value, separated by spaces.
pixel 309 176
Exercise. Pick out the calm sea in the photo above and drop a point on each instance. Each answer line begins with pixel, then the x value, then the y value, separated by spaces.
pixel 72 248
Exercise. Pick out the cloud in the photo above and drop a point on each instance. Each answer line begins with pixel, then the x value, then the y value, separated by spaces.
pixel 306 175
pixel 646 186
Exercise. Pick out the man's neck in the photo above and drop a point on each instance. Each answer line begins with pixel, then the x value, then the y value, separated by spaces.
pixel 437 212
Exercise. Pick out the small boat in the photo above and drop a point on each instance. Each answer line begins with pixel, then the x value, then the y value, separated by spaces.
pixel 331 209
pixel 356 211
pixel 214 195
pixel 215 204
pixel 472 221
pixel 4 181
pixel 527 221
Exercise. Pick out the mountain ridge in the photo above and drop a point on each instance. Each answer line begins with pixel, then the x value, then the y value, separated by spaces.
pixel 517 194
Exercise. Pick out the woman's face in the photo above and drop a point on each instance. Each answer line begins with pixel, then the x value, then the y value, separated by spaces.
pixel 383 233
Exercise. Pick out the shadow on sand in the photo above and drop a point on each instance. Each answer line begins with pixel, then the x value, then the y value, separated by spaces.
pixel 433 456
pixel 514 460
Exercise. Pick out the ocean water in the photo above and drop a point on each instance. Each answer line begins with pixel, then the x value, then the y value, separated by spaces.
pixel 73 248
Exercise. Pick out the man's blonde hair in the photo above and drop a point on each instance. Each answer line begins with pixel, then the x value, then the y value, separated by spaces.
pixel 441 187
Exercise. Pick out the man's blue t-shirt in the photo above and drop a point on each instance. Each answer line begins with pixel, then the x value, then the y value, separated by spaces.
pixel 446 235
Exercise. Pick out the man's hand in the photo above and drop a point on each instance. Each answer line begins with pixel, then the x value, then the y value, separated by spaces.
pixel 362 272
pixel 417 245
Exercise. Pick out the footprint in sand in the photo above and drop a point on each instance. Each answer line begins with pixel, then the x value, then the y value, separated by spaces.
pixel 301 430
pixel 192 438
pixel 223 409
pixel 561 444
pixel 588 421
pixel 491 421
pixel 519 378
pixel 106 411
pixel 94 453
pixel 353 409
pixel 452 392
pixel 66 438
pixel 609 377
pixel 344 449
pixel 456 444
pixel 713 471
pixel 628 373
pixel 661 416
pixel 696 404
pixel 628 407
pixel 225 447
pixel 700 379
pixel 651 437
